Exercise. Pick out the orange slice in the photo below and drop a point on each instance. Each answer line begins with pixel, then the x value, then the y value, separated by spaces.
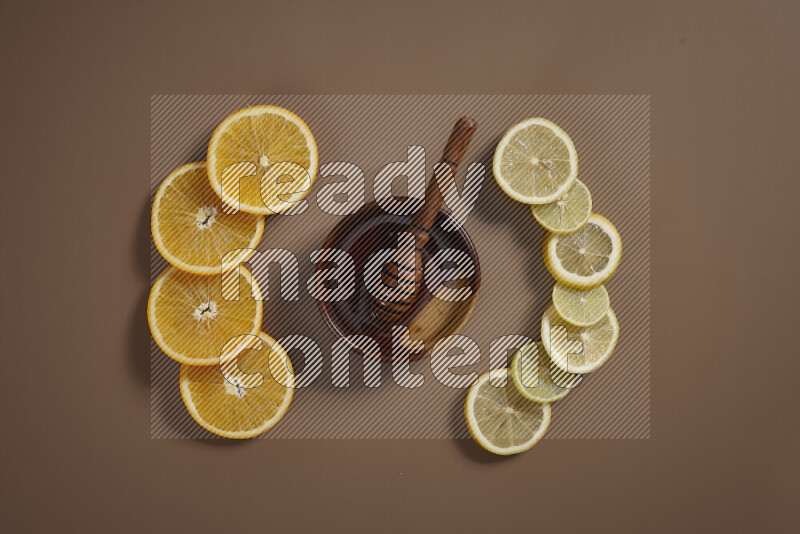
pixel 250 397
pixel 262 159
pixel 191 230
pixel 190 320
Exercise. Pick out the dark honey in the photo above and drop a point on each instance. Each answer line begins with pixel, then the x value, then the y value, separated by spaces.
pixel 372 229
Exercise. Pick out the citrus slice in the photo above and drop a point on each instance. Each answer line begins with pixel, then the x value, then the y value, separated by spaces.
pixel 568 213
pixel 537 379
pixel 580 307
pixel 250 397
pixel 535 162
pixel 586 258
pixel 262 159
pixel 577 349
pixel 190 229
pixel 191 321
pixel 500 419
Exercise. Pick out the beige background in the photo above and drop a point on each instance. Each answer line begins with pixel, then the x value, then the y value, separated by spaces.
pixel 77 80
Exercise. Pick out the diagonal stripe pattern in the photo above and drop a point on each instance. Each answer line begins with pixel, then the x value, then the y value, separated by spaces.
pixel 362 134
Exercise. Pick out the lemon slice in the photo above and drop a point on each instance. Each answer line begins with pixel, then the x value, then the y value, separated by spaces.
pixel 535 162
pixel 537 379
pixel 262 159
pixel 500 419
pixel 586 258
pixel 191 321
pixel 190 229
pixel 581 307
pixel 248 402
pixel 568 213
pixel 597 342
